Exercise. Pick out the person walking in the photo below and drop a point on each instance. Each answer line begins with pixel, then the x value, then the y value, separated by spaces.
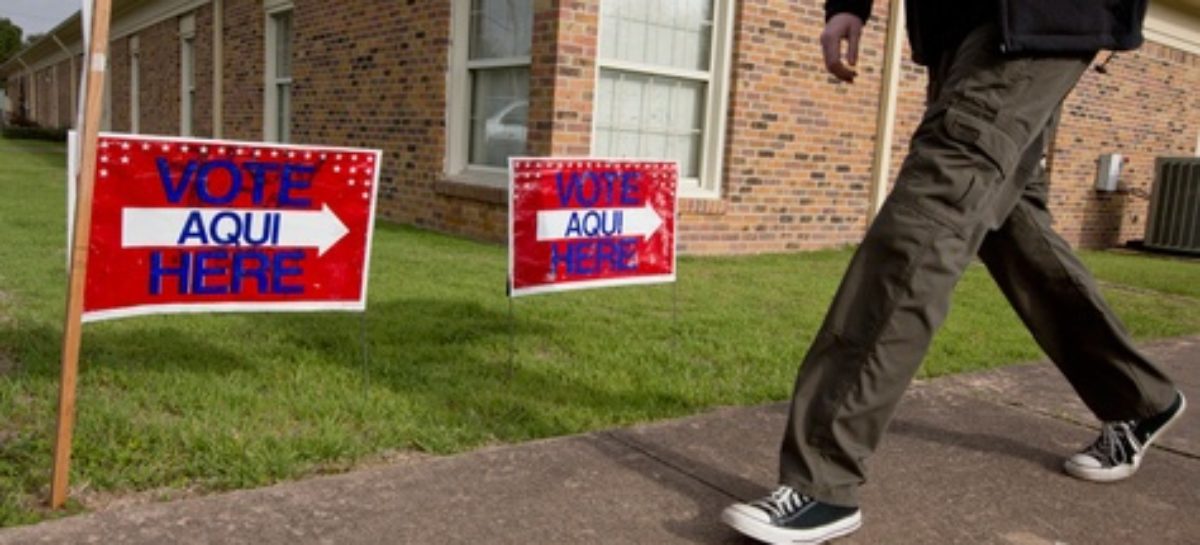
pixel 973 184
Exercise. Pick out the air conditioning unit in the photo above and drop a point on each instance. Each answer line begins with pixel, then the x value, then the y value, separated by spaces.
pixel 1174 218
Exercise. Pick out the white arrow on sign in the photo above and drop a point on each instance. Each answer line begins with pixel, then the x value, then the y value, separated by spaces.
pixel 598 223
pixel 165 227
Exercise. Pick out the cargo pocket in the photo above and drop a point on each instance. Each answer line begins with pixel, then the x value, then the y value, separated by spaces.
pixel 975 126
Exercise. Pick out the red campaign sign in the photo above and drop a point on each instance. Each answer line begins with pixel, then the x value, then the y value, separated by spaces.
pixel 184 225
pixel 589 223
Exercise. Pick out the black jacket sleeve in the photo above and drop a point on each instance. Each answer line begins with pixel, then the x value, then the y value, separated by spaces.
pixel 861 8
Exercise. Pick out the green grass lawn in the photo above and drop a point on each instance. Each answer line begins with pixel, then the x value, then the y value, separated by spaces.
pixel 218 402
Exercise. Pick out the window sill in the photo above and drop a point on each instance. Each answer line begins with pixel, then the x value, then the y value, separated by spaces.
pixel 485 187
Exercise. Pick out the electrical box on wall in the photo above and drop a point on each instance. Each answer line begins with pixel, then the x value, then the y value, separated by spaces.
pixel 1108 172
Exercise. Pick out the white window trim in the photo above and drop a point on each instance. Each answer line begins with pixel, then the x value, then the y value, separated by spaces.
pixel 270 82
pixel 718 78
pixel 187 74
pixel 458 165
pixel 135 84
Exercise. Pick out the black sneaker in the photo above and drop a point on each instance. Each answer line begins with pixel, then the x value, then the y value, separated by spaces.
pixel 787 516
pixel 1118 452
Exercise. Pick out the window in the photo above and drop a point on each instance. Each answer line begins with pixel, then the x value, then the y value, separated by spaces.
pixel 134 85
pixel 278 88
pixel 490 84
pixel 662 90
pixel 187 74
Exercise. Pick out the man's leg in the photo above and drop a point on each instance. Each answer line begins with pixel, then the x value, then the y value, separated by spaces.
pixel 954 187
pixel 1059 302
pixel 1057 298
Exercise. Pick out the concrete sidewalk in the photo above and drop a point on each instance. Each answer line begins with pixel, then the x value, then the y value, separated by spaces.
pixel 969 459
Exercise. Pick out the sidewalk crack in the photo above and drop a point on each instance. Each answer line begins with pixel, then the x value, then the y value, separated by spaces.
pixel 648 452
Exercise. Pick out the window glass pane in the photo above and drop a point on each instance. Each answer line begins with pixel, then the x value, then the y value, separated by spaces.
pixel 501 29
pixel 283 44
pixel 667 33
pixel 284 112
pixel 499 115
pixel 650 117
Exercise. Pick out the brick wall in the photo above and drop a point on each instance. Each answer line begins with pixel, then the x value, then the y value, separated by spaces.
pixel 202 104
pixel 119 72
pixel 798 154
pixel 563 76
pixel 158 93
pixel 243 65
pixel 1145 107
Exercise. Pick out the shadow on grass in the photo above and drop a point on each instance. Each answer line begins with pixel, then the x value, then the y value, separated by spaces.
pixel 453 358
pixel 443 364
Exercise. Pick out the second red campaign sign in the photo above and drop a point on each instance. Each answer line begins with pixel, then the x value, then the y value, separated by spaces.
pixel 589 223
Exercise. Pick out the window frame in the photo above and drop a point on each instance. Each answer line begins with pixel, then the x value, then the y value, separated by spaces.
pixel 187 75
pixel 276 129
pixel 458 166
pixel 717 97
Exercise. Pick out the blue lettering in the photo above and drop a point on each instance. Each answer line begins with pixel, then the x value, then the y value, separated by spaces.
pixel 201 272
pixel 564 188
pixel 289 182
pixel 281 270
pixel 590 257
pixel 193 228
pixel 175 190
pixel 204 183
pixel 158 270
pixel 631 190
pixel 270 229
pixel 581 189
pixel 231 235
pixel 258 176
pixel 573 226
pixel 626 258
pixel 559 256
pixel 242 262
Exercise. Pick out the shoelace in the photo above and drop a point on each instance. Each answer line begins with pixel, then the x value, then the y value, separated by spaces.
pixel 782 502
pixel 1116 445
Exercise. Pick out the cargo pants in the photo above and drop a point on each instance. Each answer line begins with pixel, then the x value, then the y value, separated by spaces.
pixel 972 184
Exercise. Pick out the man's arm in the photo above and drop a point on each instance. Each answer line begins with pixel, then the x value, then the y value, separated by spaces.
pixel 843 22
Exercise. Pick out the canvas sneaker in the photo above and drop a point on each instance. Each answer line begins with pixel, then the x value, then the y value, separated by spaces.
pixel 786 516
pixel 1118 452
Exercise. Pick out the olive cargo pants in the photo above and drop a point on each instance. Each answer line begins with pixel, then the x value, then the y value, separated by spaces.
pixel 972 184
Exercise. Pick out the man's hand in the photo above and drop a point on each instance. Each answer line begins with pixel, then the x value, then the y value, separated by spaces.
pixel 842 27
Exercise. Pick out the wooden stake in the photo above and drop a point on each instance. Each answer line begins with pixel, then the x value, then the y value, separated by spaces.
pixel 73 327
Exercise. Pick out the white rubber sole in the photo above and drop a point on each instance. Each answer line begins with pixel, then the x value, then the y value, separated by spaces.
pixel 1101 475
pixel 746 523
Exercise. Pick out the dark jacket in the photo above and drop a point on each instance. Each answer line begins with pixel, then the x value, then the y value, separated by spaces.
pixel 1026 26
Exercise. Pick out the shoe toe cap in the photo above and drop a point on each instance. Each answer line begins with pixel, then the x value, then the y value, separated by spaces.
pixel 1084 461
pixel 741 511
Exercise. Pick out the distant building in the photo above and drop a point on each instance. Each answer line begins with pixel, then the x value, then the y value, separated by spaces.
pixel 776 158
